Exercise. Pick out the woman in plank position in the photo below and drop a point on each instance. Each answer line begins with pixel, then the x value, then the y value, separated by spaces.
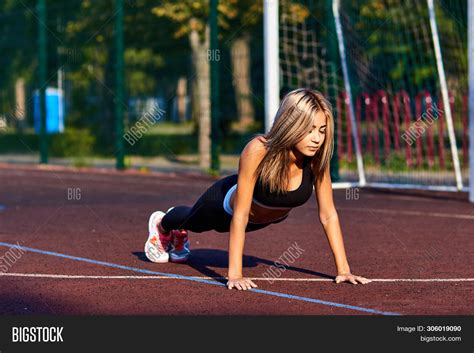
pixel 277 172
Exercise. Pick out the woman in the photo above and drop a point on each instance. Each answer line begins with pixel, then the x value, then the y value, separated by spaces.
pixel 277 172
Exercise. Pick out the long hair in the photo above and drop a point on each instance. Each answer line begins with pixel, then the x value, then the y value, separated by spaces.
pixel 292 123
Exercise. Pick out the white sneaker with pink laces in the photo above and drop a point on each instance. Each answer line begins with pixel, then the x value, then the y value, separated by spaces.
pixel 157 245
pixel 179 244
pixel 179 248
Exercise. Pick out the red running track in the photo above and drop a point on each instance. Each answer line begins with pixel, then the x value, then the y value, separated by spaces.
pixel 389 236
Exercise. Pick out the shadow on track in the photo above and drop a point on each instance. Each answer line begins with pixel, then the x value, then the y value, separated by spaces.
pixel 202 259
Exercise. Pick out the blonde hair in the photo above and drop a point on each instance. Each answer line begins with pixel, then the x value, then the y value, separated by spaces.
pixel 293 121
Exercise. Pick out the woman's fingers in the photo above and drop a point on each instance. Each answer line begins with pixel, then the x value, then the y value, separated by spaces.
pixel 252 284
pixel 364 280
pixel 352 279
pixel 241 284
pixel 246 284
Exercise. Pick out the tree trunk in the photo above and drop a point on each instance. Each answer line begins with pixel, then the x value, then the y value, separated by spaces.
pixel 240 53
pixel 195 113
pixel 181 94
pixel 200 49
pixel 20 104
pixel 108 103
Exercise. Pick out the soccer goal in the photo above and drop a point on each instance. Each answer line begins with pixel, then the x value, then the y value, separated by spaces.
pixel 396 73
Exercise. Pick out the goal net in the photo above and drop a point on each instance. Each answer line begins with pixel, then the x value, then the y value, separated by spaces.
pixel 378 63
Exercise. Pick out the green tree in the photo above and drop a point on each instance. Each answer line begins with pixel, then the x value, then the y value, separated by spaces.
pixel 89 30
pixel 242 27
pixel 17 33
pixel 192 19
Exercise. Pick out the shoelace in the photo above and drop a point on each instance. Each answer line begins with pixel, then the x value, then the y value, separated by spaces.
pixel 180 237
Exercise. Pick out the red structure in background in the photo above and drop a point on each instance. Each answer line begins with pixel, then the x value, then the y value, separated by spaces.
pixel 422 126
pixel 441 136
pixel 372 108
pixel 375 130
pixel 340 147
pixel 406 118
pixel 464 129
pixel 348 128
pixel 383 97
pixel 368 105
pixel 358 113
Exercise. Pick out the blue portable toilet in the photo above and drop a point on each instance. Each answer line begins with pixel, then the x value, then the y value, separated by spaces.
pixel 54 111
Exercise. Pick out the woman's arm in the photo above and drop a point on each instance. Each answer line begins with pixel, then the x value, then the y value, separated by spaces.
pixel 250 158
pixel 330 221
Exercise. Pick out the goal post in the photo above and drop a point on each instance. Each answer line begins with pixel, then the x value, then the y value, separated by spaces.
pixel 444 93
pixel 399 85
pixel 348 90
pixel 470 14
pixel 271 61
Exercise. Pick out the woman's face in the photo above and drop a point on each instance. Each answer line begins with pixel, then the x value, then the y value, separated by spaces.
pixel 314 139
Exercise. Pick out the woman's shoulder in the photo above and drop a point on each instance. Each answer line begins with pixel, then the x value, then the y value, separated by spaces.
pixel 260 138
pixel 256 145
pixel 253 153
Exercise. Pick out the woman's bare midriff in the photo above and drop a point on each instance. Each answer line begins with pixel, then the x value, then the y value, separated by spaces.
pixel 260 214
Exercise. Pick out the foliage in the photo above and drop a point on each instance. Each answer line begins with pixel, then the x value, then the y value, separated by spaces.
pixel 72 143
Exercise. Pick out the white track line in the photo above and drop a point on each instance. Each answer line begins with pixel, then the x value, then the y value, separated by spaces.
pixel 409 213
pixel 44 275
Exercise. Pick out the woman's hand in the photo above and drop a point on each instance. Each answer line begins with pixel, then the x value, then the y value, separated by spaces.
pixel 348 277
pixel 240 283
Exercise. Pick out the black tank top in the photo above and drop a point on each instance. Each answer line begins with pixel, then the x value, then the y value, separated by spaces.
pixel 291 198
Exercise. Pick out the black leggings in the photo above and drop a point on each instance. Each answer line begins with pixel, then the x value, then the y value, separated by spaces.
pixel 208 212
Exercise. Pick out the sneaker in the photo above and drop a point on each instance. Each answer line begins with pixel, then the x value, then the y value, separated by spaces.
pixel 157 245
pixel 179 249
